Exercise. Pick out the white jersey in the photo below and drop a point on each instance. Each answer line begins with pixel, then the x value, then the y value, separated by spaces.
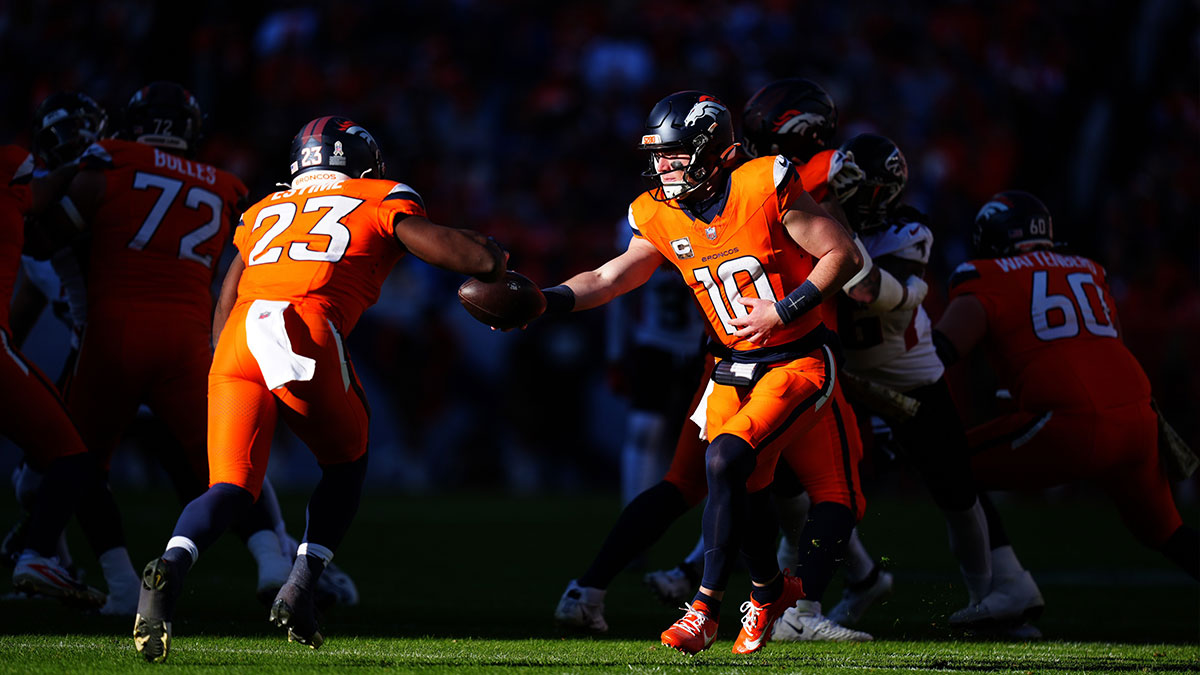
pixel 661 314
pixel 895 348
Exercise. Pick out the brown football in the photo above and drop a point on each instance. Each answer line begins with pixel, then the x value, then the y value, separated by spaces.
pixel 511 302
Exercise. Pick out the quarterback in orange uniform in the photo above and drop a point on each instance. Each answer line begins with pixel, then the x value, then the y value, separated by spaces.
pixel 825 457
pixel 759 255
pixel 311 259
pixel 1049 324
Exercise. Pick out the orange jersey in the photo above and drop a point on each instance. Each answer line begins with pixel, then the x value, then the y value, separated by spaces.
pixel 160 228
pixel 1052 331
pixel 744 251
pixel 16 198
pixel 324 247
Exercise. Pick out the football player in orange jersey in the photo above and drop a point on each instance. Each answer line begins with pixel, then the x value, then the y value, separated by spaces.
pixel 311 259
pixel 1083 408
pixel 645 519
pixel 155 221
pixel 745 240
pixel 31 413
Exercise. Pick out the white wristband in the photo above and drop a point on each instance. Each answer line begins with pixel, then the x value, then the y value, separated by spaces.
pixel 891 293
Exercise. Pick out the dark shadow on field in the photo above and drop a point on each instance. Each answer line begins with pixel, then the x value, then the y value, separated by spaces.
pixel 493 567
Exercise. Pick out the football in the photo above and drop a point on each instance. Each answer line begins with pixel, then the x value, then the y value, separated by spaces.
pixel 511 302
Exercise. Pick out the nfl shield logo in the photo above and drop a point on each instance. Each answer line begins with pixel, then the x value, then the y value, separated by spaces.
pixel 711 233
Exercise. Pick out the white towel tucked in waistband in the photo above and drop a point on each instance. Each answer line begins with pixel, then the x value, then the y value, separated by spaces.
pixel 700 416
pixel 272 348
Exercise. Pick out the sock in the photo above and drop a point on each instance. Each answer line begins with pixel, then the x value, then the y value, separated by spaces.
pixel 118 571
pixel 206 517
pixel 825 539
pixel 1005 563
pixel 969 543
pixel 334 502
pixel 642 456
pixel 99 517
pixel 859 564
pixel 255 519
pixel 707 604
pixel 63 552
pixel 264 546
pixel 729 462
pixel 56 500
pixel 997 535
pixel 640 524
pixel 758 542
pixel 769 593
pixel 306 571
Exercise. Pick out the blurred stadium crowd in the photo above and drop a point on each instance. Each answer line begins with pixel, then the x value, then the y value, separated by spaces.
pixel 521 120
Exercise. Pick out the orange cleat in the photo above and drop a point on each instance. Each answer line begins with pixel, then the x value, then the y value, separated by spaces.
pixel 693 633
pixel 757 619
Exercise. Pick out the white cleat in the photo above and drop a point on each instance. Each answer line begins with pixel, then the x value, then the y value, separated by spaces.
pixel 804 622
pixel 1012 601
pixel 36 575
pixel 857 599
pixel 672 587
pixel 335 587
pixel 120 604
pixel 581 608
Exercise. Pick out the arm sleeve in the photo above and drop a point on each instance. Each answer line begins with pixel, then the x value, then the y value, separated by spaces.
pixel 400 200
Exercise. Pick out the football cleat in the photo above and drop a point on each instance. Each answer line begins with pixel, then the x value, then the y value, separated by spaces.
pixel 1012 601
pixel 804 622
pixel 152 624
pixel 36 575
pixel 858 598
pixel 694 632
pixel 581 608
pixel 294 610
pixel 672 587
pixel 757 619
pixel 335 587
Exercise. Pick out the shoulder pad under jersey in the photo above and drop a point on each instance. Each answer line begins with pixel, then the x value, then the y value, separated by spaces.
pixel 963 273
pixel 909 240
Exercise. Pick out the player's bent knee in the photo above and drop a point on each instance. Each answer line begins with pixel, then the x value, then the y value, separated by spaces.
pixel 729 459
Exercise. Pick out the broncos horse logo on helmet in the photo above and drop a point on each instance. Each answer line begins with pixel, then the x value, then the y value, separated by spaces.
pixel 693 123
pixel 336 144
pixel 793 117
pixel 1012 222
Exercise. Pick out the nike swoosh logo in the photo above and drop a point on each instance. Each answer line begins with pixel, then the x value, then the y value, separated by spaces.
pixel 916 228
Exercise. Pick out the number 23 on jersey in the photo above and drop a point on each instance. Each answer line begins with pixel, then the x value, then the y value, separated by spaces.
pixel 329 210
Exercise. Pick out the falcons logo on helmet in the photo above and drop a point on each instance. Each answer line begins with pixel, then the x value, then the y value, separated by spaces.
pixel 895 163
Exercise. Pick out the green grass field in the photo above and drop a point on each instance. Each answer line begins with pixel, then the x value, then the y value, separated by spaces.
pixel 468 583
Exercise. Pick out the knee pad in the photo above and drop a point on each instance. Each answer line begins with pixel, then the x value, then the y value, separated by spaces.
pixel 729 459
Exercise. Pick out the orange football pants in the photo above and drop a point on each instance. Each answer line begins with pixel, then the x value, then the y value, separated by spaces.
pixel 822 447
pixel 32 415
pixel 328 413
pixel 1116 448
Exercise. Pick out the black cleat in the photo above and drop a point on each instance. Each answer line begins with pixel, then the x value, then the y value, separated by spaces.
pixel 294 610
pixel 156 604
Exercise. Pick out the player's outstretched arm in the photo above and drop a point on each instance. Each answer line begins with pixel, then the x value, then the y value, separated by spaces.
pixel 228 297
pixel 615 277
pixel 463 251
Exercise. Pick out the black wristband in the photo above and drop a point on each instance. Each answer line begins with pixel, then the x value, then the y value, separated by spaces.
pixel 946 351
pixel 559 299
pixel 799 301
